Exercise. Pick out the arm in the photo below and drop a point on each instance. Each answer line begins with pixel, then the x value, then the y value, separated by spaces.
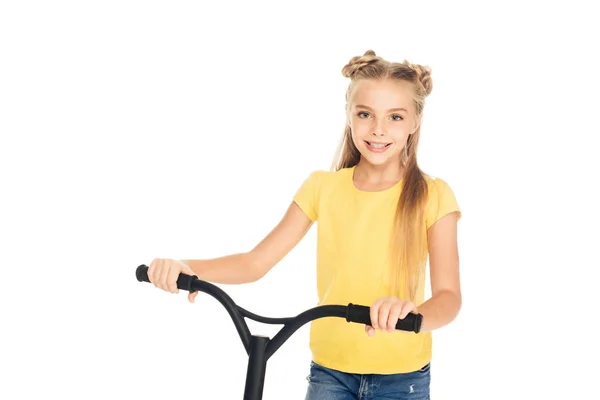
pixel 446 299
pixel 253 265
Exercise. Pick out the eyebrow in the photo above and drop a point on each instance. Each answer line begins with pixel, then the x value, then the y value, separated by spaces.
pixel 391 109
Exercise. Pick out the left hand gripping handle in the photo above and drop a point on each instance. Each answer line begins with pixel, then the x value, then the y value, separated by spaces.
pixel 184 282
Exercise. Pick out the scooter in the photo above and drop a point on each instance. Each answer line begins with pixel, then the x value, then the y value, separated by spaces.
pixel 261 348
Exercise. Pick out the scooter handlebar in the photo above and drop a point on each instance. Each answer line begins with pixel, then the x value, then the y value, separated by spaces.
pixel 354 313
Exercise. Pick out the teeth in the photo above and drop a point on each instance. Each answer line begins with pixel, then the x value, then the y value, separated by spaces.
pixel 377 145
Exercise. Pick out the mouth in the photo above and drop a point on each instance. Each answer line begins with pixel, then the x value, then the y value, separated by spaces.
pixel 377 147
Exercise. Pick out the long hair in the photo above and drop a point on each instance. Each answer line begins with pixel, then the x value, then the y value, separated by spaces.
pixel 408 245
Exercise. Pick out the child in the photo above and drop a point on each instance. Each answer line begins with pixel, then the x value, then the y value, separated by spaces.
pixel 379 219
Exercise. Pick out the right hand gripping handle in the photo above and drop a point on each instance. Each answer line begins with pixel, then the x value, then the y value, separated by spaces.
pixel 362 315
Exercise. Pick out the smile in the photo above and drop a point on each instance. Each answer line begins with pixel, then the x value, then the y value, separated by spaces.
pixel 377 147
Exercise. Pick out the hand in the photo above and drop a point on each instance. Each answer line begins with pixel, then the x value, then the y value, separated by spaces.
pixel 386 312
pixel 163 273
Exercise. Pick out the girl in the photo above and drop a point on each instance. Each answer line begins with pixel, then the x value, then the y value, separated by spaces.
pixel 379 219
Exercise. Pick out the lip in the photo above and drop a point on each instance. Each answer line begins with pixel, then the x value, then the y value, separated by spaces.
pixel 382 150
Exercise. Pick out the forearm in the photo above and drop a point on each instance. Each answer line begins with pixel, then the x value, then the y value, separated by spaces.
pixel 439 310
pixel 231 269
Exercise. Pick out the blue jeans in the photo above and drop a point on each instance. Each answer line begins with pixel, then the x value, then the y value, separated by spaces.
pixel 329 384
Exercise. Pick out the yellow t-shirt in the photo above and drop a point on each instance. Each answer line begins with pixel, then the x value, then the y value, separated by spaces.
pixel 354 232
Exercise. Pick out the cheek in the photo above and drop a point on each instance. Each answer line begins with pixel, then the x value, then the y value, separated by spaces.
pixel 360 128
pixel 399 132
pixel 356 139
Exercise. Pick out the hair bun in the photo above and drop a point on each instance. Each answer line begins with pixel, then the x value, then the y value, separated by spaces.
pixel 424 76
pixel 358 62
pixel 423 73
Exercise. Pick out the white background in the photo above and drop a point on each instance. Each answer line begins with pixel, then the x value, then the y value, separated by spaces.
pixel 140 130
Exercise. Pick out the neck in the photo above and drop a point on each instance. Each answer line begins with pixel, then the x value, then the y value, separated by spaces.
pixel 377 174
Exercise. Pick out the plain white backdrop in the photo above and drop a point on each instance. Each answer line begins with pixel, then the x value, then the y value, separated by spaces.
pixel 137 130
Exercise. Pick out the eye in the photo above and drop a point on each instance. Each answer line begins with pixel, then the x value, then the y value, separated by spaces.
pixel 361 113
pixel 399 117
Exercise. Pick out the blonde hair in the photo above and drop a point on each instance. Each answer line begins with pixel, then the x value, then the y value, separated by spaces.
pixel 408 249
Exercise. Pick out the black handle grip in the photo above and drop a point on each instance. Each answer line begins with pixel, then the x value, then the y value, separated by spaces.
pixel 362 315
pixel 184 282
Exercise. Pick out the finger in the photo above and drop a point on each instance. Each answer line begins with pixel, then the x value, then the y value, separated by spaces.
pixel 151 269
pixel 384 312
pixel 394 316
pixel 192 297
pixel 185 268
pixel 156 272
pixel 172 279
pixel 164 274
pixel 406 308
pixel 370 331
pixel 374 312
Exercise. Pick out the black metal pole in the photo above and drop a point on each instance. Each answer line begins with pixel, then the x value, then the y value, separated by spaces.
pixel 257 366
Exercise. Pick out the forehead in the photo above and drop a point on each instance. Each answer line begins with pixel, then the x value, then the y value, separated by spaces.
pixel 382 95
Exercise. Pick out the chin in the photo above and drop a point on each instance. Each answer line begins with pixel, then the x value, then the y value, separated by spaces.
pixel 375 160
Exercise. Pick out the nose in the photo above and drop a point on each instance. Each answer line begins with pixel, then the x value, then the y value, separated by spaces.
pixel 378 129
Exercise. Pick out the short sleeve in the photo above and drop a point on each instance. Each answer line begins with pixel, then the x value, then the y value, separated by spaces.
pixel 441 202
pixel 307 196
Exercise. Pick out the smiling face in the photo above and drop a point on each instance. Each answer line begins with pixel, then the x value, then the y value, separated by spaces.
pixel 381 116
